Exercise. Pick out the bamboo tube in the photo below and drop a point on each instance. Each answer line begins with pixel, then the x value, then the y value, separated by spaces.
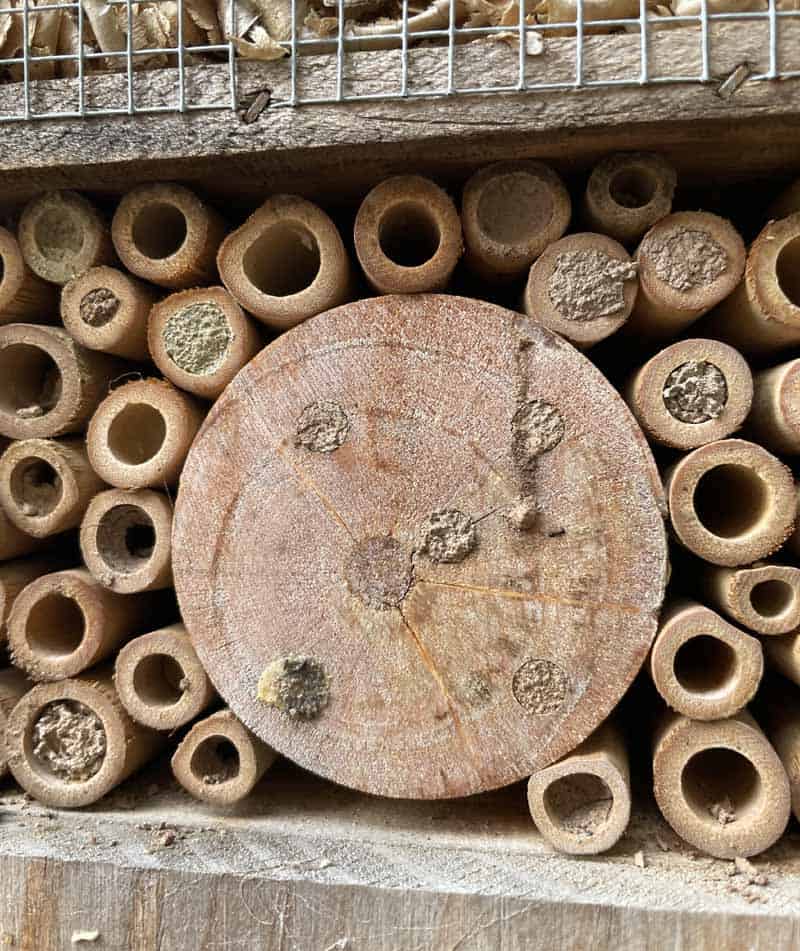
pixel 160 681
pixel 764 598
pixel 49 385
pixel 703 667
pixel 220 761
pixel 61 235
pixel 688 262
pixel 166 235
pixel 762 315
pixel 141 433
pixel 14 576
pixel 408 236
pixel 200 339
pixel 582 287
pixel 70 743
pixel 126 540
pixel 106 309
pixel 24 297
pixel 46 484
pixel 774 419
pixel 511 211
pixel 783 653
pixel 582 803
pixel 286 263
pixel 627 194
pixel 63 623
pixel 13 684
pixel 691 393
pixel 720 784
pixel 731 502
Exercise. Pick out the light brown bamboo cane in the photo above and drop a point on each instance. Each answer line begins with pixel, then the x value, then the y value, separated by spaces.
pixel 511 211
pixel 731 502
pixel 49 385
pixel 46 484
pixel 24 297
pixel 160 679
pixel 13 684
pixel 286 263
pixel 140 434
pixel 126 540
pixel 627 194
pixel 107 309
pixel 691 393
pixel 220 760
pixel 703 667
pixel 166 235
pixel 764 597
pixel 61 235
pixel 720 784
pixel 70 743
pixel 63 623
pixel 582 803
pixel 200 339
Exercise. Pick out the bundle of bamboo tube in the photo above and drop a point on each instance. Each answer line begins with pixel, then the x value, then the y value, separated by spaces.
pixel 104 416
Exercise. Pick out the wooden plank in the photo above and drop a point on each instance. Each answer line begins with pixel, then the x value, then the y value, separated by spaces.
pixel 308 866
pixel 691 123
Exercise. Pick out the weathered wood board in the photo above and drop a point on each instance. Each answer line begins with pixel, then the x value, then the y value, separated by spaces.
pixel 308 866
pixel 305 148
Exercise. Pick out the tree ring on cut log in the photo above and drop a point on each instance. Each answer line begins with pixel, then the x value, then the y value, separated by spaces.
pixel 306 579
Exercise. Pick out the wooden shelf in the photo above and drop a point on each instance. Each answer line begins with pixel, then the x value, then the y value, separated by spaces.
pixel 310 866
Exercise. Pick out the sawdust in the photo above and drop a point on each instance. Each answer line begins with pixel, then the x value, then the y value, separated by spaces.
pixel 99 307
pixel 686 259
pixel 57 234
pixel 69 740
pixel 380 572
pixel 197 338
pixel 695 392
pixel 588 284
pixel 536 428
pixel 540 686
pixel 322 427
pixel 298 686
pixel 448 536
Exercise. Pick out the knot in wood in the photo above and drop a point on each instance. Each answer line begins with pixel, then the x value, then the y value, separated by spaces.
pixel 322 427
pixel 448 536
pixel 380 572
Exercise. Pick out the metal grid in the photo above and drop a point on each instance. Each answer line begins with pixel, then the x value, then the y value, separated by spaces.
pixel 22 97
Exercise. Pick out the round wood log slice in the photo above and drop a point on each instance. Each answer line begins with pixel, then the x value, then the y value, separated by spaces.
pixel 419 546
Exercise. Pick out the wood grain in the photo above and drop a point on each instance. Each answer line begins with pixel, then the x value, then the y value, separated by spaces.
pixel 445 675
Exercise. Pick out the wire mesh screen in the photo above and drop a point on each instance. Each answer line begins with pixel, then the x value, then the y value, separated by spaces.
pixel 104 57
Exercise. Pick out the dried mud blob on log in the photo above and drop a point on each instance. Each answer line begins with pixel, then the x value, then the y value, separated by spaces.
pixel 435 643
